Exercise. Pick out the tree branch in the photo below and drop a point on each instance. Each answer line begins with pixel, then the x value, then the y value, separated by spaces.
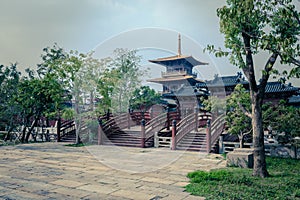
pixel 247 132
pixel 266 74
pixel 249 68
pixel 244 110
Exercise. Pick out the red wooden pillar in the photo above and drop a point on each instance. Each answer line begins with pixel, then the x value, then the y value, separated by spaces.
pixel 173 135
pixel 208 137
pixel 143 134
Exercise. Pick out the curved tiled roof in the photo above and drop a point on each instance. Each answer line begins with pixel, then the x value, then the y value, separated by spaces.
pixel 225 81
pixel 181 58
pixel 274 87
pixel 271 87
pixel 294 99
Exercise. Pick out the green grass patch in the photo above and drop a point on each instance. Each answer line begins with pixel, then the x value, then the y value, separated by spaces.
pixel 238 183
pixel 76 145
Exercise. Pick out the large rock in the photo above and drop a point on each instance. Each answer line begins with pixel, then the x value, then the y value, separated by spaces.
pixel 240 157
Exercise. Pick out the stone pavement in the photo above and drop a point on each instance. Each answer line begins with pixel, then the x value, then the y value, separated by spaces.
pixel 54 171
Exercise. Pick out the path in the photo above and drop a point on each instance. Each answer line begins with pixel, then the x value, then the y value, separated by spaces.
pixel 54 171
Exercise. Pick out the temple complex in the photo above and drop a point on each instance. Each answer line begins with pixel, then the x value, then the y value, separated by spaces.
pixel 183 90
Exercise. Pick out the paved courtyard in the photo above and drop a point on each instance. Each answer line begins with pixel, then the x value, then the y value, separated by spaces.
pixel 54 171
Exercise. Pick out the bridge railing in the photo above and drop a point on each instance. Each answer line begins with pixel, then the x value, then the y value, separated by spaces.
pixel 189 123
pixel 217 128
pixel 154 125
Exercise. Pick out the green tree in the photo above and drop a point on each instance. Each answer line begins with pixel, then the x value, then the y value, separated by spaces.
pixel 214 104
pixel 251 27
pixel 121 77
pixel 64 67
pixel 143 98
pixel 237 121
pixel 283 119
pixel 9 81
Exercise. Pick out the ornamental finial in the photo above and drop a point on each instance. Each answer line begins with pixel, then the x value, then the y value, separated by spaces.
pixel 179 45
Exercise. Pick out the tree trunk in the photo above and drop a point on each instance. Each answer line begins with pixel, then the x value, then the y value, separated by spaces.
pixel 259 167
pixel 31 129
pixel 241 139
pixel 77 120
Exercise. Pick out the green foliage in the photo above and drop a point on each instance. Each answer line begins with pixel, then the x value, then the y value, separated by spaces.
pixel 143 98
pixel 214 104
pixel 237 183
pixel 200 176
pixel 282 118
pixel 121 77
pixel 9 81
pixel 269 29
pixel 236 119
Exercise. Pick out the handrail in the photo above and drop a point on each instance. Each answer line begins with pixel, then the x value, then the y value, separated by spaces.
pixel 138 116
pixel 187 124
pixel 217 128
pixel 65 126
pixel 116 121
pixel 156 124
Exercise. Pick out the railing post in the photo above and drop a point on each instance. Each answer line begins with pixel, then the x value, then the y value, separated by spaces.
pixel 168 120
pixel 100 132
pixel 156 140
pixel 196 119
pixel 58 129
pixel 128 119
pixel 221 145
pixel 151 113
pixel 208 137
pixel 143 134
pixel 173 135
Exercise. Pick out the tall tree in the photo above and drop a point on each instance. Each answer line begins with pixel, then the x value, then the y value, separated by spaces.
pixel 9 82
pixel 64 67
pixel 251 27
pixel 121 77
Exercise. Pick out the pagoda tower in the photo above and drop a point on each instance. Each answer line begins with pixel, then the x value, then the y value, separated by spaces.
pixel 179 71
pixel 181 89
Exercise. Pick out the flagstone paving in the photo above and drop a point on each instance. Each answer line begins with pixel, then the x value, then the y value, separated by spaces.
pixel 55 171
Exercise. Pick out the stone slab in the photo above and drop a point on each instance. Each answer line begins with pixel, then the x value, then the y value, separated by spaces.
pixel 240 159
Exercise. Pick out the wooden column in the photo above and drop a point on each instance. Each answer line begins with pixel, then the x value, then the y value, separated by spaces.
pixel 143 134
pixel 173 135
pixel 208 137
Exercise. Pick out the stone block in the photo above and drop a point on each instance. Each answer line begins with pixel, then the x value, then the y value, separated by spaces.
pixel 240 158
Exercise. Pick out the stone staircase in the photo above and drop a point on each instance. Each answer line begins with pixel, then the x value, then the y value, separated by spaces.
pixel 194 141
pixel 129 138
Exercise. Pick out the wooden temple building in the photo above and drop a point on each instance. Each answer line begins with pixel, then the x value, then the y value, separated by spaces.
pixel 179 81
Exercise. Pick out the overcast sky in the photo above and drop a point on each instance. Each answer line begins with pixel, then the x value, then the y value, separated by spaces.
pixel 27 26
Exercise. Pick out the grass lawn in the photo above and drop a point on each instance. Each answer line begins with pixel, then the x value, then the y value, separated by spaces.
pixel 238 183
